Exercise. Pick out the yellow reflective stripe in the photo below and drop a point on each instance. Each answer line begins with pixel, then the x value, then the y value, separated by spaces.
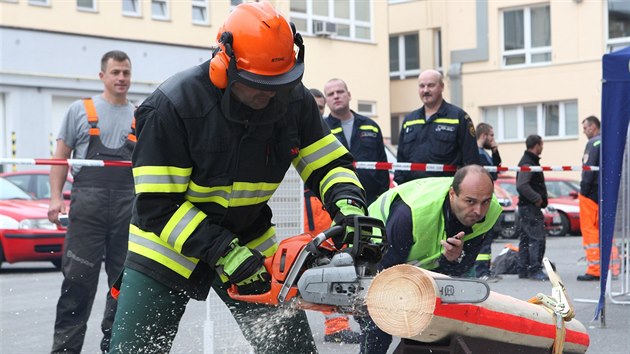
pixel 217 194
pixel 266 243
pixel 369 127
pixel 336 130
pixel 447 120
pixel 247 193
pixel 161 179
pixel 338 175
pixel 413 122
pixel 318 154
pixel 483 257
pixel 149 245
pixel 181 225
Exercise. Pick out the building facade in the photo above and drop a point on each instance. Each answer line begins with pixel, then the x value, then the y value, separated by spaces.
pixel 50 54
pixel 524 66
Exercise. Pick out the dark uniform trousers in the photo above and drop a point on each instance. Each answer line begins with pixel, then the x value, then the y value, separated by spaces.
pixel 99 229
pixel 531 231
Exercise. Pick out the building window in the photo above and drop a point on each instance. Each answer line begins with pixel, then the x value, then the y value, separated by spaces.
pixel 131 8
pixel 351 19
pixel 200 12
pixel 404 56
pixel 549 120
pixel 618 24
pixel 86 5
pixel 366 108
pixel 526 36
pixel 39 2
pixel 159 9
pixel 437 49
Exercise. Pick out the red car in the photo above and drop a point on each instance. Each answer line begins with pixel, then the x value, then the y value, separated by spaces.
pixel 505 225
pixel 558 213
pixel 25 232
pixel 37 183
pixel 563 195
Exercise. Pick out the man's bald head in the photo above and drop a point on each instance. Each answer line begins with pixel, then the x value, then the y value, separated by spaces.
pixel 471 194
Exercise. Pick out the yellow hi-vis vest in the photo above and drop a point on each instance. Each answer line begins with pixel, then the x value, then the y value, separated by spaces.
pixel 425 197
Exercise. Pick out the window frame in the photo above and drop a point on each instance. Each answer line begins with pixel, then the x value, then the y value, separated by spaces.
pixel 500 123
pixel 201 4
pixel 612 44
pixel 137 13
pixel 87 9
pixel 43 3
pixel 167 10
pixel 352 23
pixel 528 51
pixel 402 73
pixel 371 113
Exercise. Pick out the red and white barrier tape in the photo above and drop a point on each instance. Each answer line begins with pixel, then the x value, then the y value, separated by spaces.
pixel 394 166
pixel 69 162
pixel 407 166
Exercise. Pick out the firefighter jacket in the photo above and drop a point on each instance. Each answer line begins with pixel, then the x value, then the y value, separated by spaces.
pixel 589 184
pixel 366 145
pixel 531 185
pixel 447 137
pixel 202 180
pixel 426 220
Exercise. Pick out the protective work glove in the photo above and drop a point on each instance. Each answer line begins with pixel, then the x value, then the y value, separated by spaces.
pixel 348 208
pixel 245 268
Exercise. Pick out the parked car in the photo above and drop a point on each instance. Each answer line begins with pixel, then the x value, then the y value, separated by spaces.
pixel 563 195
pixel 559 212
pixel 25 232
pixel 37 183
pixel 505 225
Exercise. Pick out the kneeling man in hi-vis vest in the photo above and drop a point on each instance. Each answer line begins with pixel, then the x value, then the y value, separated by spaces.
pixel 436 223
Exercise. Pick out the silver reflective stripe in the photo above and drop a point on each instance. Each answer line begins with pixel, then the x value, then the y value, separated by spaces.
pixel 318 154
pixel 181 225
pixel 240 194
pixel 205 195
pixel 164 251
pixel 330 179
pixel 270 242
pixel 161 179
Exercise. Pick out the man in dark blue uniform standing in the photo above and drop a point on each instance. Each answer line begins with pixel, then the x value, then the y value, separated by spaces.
pixel 359 134
pixel 438 133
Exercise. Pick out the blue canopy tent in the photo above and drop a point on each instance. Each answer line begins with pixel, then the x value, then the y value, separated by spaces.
pixel 615 119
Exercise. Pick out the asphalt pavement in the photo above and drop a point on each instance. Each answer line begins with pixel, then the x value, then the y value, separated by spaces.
pixel 29 292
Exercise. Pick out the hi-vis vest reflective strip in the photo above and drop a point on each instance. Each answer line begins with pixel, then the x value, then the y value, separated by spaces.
pixel 425 198
pixel 90 111
pixel 317 155
pixel 151 246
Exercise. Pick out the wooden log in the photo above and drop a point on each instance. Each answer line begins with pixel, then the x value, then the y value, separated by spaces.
pixel 404 301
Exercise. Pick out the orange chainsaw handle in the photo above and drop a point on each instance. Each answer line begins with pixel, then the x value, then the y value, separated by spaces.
pixel 268 298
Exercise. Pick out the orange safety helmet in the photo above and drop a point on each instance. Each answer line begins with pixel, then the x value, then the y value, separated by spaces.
pixel 256 47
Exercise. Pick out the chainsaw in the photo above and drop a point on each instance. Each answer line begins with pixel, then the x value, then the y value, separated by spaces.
pixel 310 273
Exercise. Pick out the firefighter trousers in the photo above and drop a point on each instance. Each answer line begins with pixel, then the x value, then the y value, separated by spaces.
pixel 149 315
pixel 589 225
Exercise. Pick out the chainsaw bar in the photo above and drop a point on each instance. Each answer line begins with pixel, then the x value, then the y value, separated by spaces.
pixel 460 290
